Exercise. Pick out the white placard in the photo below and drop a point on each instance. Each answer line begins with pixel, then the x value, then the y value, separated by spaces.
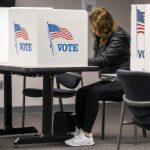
pixel 147 38
pixel 137 37
pixel 44 37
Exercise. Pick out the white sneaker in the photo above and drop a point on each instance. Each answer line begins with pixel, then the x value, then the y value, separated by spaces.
pixel 80 140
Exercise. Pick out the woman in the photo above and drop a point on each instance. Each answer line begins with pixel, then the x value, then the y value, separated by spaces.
pixel 111 52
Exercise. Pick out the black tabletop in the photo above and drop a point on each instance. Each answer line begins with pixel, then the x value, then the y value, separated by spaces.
pixel 43 70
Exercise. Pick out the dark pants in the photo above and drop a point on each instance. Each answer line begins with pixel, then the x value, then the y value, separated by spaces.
pixel 87 101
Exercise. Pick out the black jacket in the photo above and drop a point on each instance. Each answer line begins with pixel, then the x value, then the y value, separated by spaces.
pixel 114 55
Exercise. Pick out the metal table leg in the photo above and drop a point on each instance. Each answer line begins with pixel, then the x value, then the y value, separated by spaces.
pixel 46 136
pixel 8 128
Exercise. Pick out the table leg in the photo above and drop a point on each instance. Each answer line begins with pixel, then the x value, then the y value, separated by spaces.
pixel 47 113
pixel 46 136
pixel 8 128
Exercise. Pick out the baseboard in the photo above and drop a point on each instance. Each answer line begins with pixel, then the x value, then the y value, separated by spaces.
pixel 67 107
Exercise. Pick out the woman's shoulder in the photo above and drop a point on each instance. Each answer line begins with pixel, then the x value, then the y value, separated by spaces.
pixel 120 34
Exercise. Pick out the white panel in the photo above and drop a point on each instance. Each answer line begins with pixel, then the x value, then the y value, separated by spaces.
pixel 23 49
pixel 147 38
pixel 68 48
pixel 31 41
pixel 137 37
pixel 4 35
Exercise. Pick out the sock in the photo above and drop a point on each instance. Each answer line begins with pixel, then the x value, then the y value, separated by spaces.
pixel 87 134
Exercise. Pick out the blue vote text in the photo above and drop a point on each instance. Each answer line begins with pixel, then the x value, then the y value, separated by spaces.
pixel 68 47
pixel 140 53
pixel 25 46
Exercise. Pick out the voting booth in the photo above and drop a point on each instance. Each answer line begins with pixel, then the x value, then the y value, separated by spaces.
pixel 140 37
pixel 44 37
pixel 4 46
pixel 137 37
pixel 147 38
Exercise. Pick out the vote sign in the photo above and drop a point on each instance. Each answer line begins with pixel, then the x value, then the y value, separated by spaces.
pixel 47 37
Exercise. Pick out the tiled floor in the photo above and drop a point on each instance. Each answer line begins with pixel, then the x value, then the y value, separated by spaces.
pixel 111 132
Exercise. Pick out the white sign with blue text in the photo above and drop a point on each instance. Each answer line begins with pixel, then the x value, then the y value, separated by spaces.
pixel 47 37
pixel 137 37
pixel 140 35
pixel 64 34
pixel 147 38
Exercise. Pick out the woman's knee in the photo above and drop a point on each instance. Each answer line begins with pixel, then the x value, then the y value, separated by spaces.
pixel 81 91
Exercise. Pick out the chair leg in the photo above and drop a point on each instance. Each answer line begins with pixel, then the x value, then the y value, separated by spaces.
pixel 61 105
pixel 121 125
pixel 135 134
pixel 60 99
pixel 23 111
pixel 103 121
pixel 23 103
pixel 144 133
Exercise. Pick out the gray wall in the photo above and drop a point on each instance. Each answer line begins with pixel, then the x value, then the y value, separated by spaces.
pixel 120 11
pixel 57 4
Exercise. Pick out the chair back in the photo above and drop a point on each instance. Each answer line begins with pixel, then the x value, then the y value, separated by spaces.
pixel 136 85
pixel 69 80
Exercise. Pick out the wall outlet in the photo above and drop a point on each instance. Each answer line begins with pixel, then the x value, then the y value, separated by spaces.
pixel 1 84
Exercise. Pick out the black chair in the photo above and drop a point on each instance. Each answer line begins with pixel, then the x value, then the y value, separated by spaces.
pixel 136 87
pixel 115 96
pixel 69 80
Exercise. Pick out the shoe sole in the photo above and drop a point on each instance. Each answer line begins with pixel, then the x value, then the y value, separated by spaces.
pixel 90 144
